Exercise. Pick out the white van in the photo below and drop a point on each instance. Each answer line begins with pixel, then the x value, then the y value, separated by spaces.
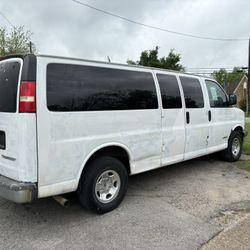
pixel 77 125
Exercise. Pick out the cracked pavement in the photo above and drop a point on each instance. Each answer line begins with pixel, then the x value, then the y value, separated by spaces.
pixel 169 208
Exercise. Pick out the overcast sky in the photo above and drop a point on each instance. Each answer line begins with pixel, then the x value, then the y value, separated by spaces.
pixel 62 27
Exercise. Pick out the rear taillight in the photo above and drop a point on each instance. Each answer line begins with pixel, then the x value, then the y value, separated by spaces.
pixel 27 100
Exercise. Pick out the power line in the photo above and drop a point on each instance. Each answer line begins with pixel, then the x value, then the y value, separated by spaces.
pixel 207 68
pixel 211 72
pixel 158 28
pixel 6 19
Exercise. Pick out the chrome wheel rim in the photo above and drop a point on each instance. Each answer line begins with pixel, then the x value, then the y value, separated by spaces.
pixel 236 147
pixel 107 186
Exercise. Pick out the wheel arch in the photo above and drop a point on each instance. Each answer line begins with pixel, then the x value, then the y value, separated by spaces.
pixel 239 128
pixel 116 150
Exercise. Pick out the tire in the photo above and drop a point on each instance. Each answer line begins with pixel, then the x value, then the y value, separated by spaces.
pixel 234 149
pixel 103 185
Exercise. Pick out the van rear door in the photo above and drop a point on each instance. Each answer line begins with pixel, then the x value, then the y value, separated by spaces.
pixel 18 154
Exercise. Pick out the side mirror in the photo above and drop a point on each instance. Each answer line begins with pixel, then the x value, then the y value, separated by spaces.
pixel 232 99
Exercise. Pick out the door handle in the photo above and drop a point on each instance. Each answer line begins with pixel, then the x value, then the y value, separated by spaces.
pixel 209 115
pixel 187 117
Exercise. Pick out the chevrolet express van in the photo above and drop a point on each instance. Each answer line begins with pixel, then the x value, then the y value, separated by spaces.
pixel 76 125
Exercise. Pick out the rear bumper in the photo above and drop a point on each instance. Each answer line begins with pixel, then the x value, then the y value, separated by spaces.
pixel 19 192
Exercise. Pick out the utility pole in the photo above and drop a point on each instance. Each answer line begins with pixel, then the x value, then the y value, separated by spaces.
pixel 248 79
pixel 30 46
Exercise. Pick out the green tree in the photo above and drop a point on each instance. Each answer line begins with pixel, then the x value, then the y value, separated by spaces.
pixel 222 76
pixel 15 41
pixel 150 58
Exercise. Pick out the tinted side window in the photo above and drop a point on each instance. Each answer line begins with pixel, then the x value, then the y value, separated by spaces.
pixel 9 73
pixel 86 88
pixel 170 92
pixel 192 92
pixel 217 97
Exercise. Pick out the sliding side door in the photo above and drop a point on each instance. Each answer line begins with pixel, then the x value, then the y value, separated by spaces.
pixel 196 116
pixel 173 124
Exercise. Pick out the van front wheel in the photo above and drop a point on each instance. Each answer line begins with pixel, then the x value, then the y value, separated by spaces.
pixel 103 185
pixel 233 151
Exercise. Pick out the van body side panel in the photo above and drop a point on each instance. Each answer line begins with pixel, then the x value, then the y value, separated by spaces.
pixel 197 125
pixel 66 139
pixel 173 123
pixel 173 136
pixel 223 121
pixel 18 160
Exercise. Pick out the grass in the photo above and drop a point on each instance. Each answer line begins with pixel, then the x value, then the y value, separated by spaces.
pixel 246 145
pixel 245 165
pixel 245 150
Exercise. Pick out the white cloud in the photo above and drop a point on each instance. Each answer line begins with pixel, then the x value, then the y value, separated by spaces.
pixel 66 28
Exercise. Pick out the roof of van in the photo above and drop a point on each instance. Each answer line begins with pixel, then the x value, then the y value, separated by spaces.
pixel 121 64
pixel 102 62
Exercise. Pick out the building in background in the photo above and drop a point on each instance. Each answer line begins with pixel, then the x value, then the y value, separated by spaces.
pixel 239 87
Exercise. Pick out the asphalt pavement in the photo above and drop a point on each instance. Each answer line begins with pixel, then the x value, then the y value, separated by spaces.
pixel 175 207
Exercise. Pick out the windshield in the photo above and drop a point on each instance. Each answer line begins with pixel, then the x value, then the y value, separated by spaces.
pixel 9 73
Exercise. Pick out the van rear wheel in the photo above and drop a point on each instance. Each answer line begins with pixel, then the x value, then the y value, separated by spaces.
pixel 103 185
pixel 233 151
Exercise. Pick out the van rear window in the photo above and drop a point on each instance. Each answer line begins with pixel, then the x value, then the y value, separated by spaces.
pixel 88 88
pixel 9 73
